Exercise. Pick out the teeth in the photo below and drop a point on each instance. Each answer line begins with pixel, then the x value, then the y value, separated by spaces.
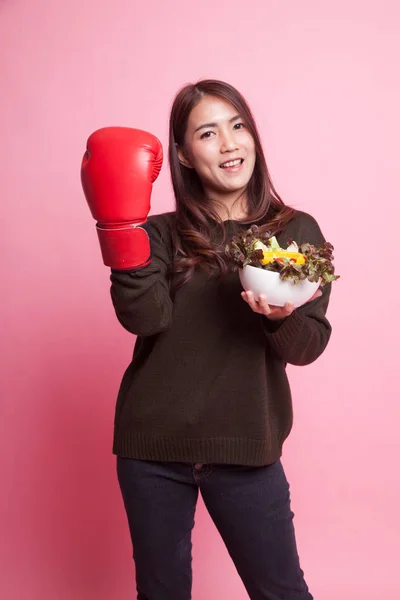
pixel 232 163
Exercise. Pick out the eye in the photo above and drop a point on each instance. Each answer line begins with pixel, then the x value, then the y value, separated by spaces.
pixel 207 134
pixel 239 126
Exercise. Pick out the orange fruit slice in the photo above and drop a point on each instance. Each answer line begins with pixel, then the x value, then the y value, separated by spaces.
pixel 271 255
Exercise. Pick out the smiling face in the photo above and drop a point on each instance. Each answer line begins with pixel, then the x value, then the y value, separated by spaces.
pixel 220 148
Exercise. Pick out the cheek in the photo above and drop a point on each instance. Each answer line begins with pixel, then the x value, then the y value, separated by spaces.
pixel 251 153
pixel 251 148
pixel 204 159
pixel 253 160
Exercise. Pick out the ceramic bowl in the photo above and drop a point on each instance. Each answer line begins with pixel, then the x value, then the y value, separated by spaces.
pixel 276 291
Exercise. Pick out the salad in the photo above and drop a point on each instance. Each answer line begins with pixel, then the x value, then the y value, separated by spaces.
pixel 295 263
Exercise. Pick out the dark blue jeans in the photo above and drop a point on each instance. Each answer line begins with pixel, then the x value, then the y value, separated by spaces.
pixel 250 507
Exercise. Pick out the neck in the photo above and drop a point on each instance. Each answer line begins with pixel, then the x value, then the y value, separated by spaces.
pixel 230 207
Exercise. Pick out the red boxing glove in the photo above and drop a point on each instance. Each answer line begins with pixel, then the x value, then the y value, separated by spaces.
pixel 117 174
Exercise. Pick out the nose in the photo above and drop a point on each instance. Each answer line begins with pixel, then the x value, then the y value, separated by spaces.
pixel 228 142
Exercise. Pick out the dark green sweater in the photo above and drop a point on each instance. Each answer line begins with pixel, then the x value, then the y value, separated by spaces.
pixel 208 381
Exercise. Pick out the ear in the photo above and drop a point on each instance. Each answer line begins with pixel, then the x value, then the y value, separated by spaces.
pixel 182 158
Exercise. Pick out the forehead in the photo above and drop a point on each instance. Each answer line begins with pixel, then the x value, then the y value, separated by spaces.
pixel 211 109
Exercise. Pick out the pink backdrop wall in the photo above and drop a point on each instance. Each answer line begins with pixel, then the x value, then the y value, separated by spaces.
pixel 322 78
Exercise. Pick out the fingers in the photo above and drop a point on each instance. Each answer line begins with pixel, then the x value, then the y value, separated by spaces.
pixel 268 310
pixel 277 312
pixel 317 294
pixel 288 308
pixel 254 305
pixel 263 308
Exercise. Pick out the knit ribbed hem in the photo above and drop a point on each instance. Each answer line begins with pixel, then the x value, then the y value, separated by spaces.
pixel 286 333
pixel 239 451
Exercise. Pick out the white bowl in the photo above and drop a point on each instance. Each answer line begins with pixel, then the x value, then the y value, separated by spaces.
pixel 276 291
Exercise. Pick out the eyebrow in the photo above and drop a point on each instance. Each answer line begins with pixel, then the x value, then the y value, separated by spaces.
pixel 207 125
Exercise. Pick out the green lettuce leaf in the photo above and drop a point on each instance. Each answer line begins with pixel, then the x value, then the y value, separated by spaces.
pixel 318 265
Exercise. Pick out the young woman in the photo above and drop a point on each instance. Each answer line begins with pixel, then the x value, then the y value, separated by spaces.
pixel 205 404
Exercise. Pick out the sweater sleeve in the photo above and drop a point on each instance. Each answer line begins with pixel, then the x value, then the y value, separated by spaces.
pixel 141 297
pixel 303 336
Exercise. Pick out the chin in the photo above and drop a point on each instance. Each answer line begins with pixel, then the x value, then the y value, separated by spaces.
pixel 238 186
pixel 229 187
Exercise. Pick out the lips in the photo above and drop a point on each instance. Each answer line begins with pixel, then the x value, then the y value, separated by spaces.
pixel 230 164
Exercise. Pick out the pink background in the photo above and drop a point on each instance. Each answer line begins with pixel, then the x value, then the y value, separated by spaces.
pixel 322 79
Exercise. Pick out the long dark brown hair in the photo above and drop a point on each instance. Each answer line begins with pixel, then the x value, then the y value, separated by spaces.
pixel 195 213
